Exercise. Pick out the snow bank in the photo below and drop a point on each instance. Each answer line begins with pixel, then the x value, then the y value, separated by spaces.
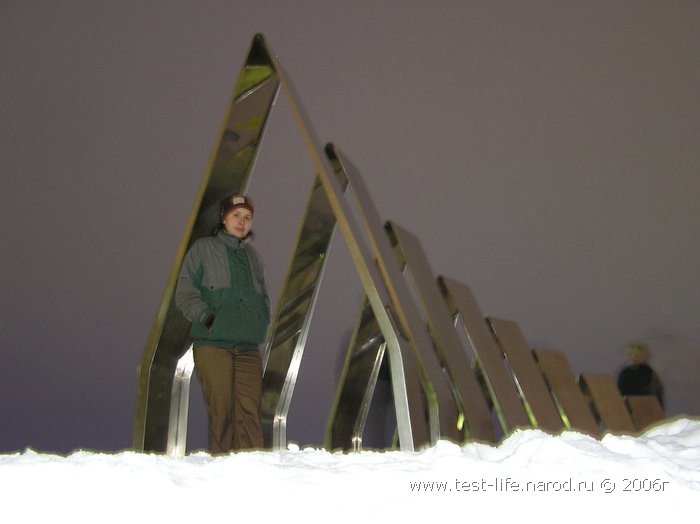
pixel 531 475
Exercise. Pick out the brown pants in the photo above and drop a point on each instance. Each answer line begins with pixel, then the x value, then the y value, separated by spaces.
pixel 232 386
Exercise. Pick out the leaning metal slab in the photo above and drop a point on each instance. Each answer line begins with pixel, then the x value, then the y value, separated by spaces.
pixel 528 377
pixel 645 410
pixel 607 402
pixel 346 422
pixel 227 172
pixel 292 320
pixel 439 320
pixel 442 411
pixel 567 394
pixel 177 431
pixel 409 382
pixel 499 381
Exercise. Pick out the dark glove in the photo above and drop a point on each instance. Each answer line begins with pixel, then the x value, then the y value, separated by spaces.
pixel 210 320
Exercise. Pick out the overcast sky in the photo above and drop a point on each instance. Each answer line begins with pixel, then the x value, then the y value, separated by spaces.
pixel 545 153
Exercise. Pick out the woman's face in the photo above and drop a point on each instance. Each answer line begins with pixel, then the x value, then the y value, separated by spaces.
pixel 238 222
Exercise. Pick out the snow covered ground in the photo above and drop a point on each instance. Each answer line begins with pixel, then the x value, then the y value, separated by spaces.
pixel 531 475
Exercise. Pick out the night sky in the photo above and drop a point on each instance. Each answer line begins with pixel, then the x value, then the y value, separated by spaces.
pixel 545 153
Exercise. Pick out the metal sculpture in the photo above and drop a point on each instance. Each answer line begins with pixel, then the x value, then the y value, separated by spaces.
pixel 366 351
pixel 436 394
pixel 163 375
pixel 165 369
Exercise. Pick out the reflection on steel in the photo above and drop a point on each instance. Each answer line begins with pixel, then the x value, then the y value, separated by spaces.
pixel 179 404
pixel 447 343
pixel 607 404
pixel 443 410
pixel 499 382
pixel 531 384
pixel 227 172
pixel 165 368
pixel 290 326
pixel 645 410
pixel 358 379
pixel 410 413
pixel 569 399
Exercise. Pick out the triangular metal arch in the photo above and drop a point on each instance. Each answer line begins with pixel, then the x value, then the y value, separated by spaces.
pixel 425 409
pixel 165 367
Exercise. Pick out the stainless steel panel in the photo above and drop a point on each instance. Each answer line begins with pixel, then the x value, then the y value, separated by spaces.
pixel 607 404
pixel 645 410
pixel 568 397
pixel 528 376
pixel 489 358
pixel 227 172
pixel 410 412
pixel 412 427
pixel 444 410
pixel 179 406
pixel 161 387
pixel 406 370
pixel 290 325
pixel 447 344
pixel 408 384
pixel 358 379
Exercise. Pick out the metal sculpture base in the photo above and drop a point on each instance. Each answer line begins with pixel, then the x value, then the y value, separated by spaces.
pixel 437 391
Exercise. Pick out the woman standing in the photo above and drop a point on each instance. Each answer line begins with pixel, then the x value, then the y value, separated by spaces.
pixel 222 290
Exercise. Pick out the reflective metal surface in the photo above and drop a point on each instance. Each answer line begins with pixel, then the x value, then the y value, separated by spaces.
pixel 358 379
pixel 290 325
pixel 179 405
pixel 528 377
pixel 606 402
pixel 412 427
pixel 444 413
pixel 432 380
pixel 568 397
pixel 645 410
pixel 410 415
pixel 408 383
pixel 489 358
pixel 165 370
pixel 444 335
pixel 227 172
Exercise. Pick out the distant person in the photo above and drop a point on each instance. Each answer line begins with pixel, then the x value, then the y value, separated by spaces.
pixel 638 378
pixel 222 290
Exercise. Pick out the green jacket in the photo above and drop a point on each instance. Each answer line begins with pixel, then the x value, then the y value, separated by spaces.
pixel 224 276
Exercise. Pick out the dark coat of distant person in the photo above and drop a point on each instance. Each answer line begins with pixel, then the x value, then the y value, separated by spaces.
pixel 638 377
